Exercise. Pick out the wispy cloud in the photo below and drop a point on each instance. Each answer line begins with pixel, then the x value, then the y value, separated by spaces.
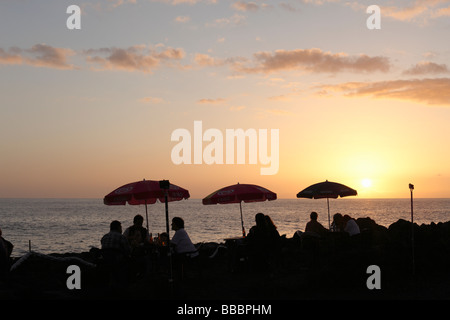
pixel 236 19
pixel 118 3
pixel 312 60
pixel 419 10
pixel 427 67
pixel 182 19
pixel 190 2
pixel 136 58
pixel 279 112
pixel 206 60
pixel 245 6
pixel 39 55
pixel 212 101
pixel 431 91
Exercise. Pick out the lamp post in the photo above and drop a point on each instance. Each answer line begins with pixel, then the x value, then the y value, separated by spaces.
pixel 411 188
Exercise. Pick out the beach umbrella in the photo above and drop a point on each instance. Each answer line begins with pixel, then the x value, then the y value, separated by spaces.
pixel 147 192
pixel 239 193
pixel 327 189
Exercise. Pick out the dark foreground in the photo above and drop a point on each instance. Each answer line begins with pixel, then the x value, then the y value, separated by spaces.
pixel 334 267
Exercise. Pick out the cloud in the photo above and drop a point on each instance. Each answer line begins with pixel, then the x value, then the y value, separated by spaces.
pixel 11 56
pixel 206 60
pixel 182 19
pixel 430 91
pixel 245 6
pixel 281 98
pixel 320 2
pixel 190 2
pixel 235 19
pixel 426 67
pixel 136 58
pixel 212 101
pixel 288 7
pixel 118 3
pixel 442 12
pixel 419 10
pixel 312 60
pixel 237 108
pixel 39 55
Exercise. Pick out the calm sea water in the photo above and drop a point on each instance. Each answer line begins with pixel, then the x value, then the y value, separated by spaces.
pixel 76 225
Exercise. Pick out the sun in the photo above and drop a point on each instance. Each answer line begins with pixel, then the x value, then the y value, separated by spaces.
pixel 366 183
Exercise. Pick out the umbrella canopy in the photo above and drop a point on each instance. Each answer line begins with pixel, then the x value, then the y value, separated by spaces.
pixel 237 193
pixel 146 192
pixel 327 189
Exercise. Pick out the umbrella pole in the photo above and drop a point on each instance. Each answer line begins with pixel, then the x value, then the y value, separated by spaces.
pixel 146 214
pixel 329 223
pixel 167 213
pixel 242 219
pixel 168 237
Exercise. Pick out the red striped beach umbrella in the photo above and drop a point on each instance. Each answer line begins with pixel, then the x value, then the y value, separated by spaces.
pixel 237 193
pixel 146 192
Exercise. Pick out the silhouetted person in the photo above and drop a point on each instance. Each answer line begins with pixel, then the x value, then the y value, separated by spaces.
pixel 6 248
pixel 314 226
pixel 338 223
pixel 180 239
pixel 350 225
pixel 116 252
pixel 139 240
pixel 185 251
pixel 137 235
pixel 264 242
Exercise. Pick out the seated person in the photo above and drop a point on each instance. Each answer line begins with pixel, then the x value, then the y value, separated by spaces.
pixel 314 226
pixel 350 225
pixel 116 253
pixel 181 240
pixel 338 224
pixel 264 242
pixel 115 242
pixel 137 235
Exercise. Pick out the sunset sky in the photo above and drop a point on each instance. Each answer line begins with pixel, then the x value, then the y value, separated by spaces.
pixel 85 111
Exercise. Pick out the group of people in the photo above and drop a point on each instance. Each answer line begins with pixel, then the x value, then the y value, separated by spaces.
pixel 136 237
pixel 341 223
pixel 264 241
pixel 135 243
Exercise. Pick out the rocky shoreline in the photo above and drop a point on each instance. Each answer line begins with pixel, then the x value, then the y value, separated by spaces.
pixel 333 267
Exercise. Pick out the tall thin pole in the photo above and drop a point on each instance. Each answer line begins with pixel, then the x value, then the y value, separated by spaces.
pixel 166 200
pixel 146 213
pixel 242 219
pixel 329 223
pixel 411 188
pixel 167 210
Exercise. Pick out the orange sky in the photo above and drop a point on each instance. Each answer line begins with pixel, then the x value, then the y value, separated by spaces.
pixel 85 111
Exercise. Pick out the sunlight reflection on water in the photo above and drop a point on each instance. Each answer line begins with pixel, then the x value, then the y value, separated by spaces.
pixel 75 225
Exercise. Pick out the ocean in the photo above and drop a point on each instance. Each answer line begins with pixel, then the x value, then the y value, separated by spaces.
pixel 77 225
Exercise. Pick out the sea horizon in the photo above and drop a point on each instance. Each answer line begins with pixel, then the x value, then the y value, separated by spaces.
pixel 57 225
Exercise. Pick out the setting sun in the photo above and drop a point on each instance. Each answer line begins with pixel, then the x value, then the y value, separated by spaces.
pixel 366 183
